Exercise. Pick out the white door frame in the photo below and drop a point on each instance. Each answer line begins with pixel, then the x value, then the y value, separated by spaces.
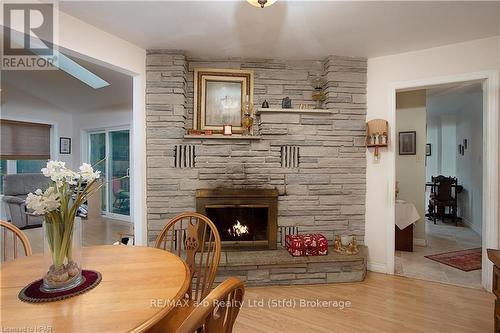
pixel 106 131
pixel 490 235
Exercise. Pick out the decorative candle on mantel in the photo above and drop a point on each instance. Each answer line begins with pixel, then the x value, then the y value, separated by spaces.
pixel 345 239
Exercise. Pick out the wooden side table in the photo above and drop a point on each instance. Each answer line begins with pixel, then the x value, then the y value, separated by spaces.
pixel 494 256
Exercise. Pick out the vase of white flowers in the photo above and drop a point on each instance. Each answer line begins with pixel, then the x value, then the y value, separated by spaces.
pixel 62 229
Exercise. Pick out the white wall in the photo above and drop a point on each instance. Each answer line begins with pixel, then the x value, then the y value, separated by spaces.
pixel 470 165
pixel 18 105
pixel 434 137
pixel 410 169
pixel 449 148
pixel 383 72
pixel 84 122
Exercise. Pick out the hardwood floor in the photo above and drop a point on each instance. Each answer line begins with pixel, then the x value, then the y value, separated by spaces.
pixel 382 303
pixel 97 231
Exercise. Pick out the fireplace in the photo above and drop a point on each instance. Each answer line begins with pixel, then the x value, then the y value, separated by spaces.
pixel 244 217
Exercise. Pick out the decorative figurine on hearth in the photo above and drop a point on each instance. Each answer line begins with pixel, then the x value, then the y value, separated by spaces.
pixel 265 105
pixel 352 247
pixel 337 245
pixel 286 103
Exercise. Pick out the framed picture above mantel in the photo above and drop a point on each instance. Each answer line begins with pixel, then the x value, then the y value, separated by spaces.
pixel 219 95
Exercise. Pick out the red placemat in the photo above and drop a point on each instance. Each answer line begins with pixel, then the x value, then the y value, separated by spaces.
pixel 33 293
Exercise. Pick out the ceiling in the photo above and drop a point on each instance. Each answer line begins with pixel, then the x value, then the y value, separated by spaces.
pixel 451 98
pixel 458 88
pixel 70 94
pixel 291 29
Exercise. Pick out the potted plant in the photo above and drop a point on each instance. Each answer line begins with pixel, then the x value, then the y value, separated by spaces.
pixel 62 228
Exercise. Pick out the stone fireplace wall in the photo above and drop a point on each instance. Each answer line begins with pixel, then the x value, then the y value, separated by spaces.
pixel 324 193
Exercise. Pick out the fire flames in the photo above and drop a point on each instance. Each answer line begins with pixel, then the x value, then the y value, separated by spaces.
pixel 238 229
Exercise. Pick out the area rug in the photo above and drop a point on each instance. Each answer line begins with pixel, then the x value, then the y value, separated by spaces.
pixel 465 260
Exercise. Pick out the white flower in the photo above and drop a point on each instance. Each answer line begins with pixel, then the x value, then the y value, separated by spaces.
pixel 88 174
pixel 58 172
pixel 43 203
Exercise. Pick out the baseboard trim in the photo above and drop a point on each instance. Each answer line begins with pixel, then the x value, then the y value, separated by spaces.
pixel 473 227
pixel 419 242
pixel 377 267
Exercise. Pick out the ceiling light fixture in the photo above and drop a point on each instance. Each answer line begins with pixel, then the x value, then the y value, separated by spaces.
pixel 261 3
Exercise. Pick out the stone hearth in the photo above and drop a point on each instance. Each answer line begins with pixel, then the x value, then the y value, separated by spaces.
pixel 276 267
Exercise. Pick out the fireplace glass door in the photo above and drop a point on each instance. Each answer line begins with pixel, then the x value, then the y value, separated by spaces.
pixel 240 223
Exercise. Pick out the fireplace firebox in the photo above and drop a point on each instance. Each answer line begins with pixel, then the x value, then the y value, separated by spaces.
pixel 244 217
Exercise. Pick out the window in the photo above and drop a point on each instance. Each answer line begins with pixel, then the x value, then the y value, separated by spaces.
pixel 25 147
pixel 3 171
pixel 112 149
pixel 24 141
pixel 30 166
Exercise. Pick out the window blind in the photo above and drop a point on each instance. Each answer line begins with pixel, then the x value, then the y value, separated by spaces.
pixel 24 141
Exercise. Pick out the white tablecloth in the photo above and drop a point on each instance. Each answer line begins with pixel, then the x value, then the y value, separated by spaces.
pixel 406 214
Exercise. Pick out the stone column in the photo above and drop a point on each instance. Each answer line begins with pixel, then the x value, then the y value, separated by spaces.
pixel 165 127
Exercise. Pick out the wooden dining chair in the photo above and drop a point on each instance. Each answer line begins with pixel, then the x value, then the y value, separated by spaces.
pixel 194 238
pixel 10 229
pixel 218 311
pixel 442 197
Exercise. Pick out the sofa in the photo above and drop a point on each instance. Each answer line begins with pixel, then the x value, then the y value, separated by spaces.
pixel 15 191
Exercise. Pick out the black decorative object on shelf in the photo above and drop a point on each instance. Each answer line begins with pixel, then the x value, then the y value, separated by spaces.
pixel 286 103
pixel 265 105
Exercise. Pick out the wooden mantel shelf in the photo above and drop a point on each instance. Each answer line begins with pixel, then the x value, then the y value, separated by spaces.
pixel 223 137
pixel 274 110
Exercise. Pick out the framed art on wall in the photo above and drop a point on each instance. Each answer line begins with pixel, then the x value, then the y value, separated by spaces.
pixel 219 95
pixel 408 143
pixel 428 149
pixel 64 145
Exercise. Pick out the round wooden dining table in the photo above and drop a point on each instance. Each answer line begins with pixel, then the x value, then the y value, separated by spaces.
pixel 139 287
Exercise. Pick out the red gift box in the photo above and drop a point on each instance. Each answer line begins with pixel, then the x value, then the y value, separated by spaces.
pixel 307 245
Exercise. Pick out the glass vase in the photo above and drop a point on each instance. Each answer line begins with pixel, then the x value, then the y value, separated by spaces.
pixel 62 254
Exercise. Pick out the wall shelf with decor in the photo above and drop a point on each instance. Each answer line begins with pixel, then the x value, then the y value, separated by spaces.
pixel 377 135
pixel 279 110
pixel 222 137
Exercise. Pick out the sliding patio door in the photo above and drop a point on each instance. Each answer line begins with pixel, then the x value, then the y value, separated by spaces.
pixel 109 151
